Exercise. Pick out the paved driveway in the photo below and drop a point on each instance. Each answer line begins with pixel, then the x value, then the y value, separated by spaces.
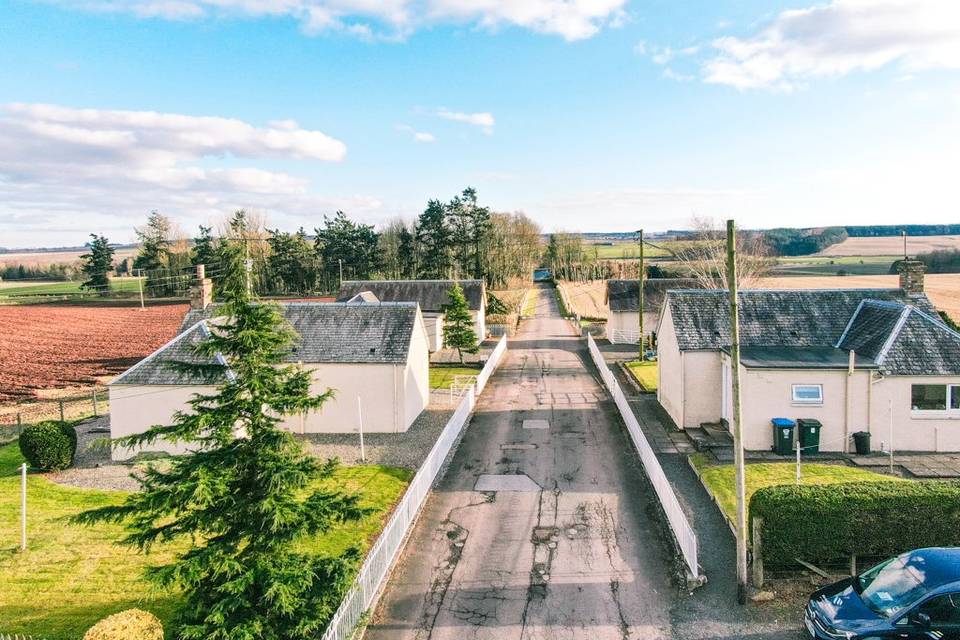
pixel 561 542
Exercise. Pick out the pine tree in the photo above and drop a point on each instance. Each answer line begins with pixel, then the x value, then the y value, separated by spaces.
pixel 407 254
pixel 246 498
pixel 97 265
pixel 204 249
pixel 458 330
pixel 433 239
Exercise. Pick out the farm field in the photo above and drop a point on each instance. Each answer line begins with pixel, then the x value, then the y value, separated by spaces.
pixel 12 291
pixel 84 576
pixel 54 346
pixel 46 258
pixel 891 246
pixel 586 298
pixel 831 266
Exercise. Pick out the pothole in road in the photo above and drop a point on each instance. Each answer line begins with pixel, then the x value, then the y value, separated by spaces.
pixel 506 482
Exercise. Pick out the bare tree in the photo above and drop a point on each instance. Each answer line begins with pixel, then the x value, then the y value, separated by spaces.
pixel 704 256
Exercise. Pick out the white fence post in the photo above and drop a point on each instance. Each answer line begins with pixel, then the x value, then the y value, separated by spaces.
pixel 23 507
pixel 376 567
pixel 679 525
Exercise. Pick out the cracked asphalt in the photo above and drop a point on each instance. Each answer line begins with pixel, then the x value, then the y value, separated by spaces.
pixel 577 553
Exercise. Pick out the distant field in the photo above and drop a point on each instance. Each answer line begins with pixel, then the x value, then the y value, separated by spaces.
pixel 631 250
pixel 834 265
pixel 891 246
pixel 42 259
pixel 586 298
pixel 11 290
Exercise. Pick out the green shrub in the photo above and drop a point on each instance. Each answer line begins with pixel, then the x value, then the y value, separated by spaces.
pixel 49 446
pixel 828 523
pixel 132 624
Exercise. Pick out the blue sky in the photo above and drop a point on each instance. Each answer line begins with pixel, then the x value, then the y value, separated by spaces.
pixel 605 115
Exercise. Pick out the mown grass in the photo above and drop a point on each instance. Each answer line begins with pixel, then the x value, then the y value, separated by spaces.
pixel 721 481
pixel 71 576
pixel 530 305
pixel 53 288
pixel 442 377
pixel 644 372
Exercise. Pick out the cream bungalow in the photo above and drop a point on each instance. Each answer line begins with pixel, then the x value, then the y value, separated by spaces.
pixel 623 301
pixel 374 352
pixel 875 360
pixel 432 297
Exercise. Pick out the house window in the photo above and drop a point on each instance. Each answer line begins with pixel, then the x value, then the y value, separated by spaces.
pixel 808 394
pixel 935 397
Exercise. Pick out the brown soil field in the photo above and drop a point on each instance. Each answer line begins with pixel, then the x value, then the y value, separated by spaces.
pixel 56 346
pixel 943 289
pixel 45 258
pixel 890 246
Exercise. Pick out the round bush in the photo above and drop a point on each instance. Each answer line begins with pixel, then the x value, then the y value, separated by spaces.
pixel 49 446
pixel 132 624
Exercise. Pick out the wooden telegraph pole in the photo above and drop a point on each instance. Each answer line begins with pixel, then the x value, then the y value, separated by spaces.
pixel 640 292
pixel 737 428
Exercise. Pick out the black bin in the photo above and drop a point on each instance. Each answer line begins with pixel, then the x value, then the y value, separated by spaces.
pixel 809 435
pixel 783 435
pixel 861 440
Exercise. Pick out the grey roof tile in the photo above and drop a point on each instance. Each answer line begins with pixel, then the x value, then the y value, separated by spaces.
pixel 157 368
pixel 622 294
pixel 431 294
pixel 923 346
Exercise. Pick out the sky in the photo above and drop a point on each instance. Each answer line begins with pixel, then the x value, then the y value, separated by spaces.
pixel 587 115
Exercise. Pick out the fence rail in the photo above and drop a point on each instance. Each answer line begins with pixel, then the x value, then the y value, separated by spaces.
pixel 376 567
pixel 682 531
pixel 69 405
pixel 625 336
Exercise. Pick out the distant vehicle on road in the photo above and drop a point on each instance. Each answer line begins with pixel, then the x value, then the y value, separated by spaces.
pixel 915 595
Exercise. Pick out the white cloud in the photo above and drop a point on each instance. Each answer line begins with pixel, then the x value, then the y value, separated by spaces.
pixel 838 38
pixel 64 169
pixel 484 120
pixel 570 19
pixel 670 74
pixel 418 136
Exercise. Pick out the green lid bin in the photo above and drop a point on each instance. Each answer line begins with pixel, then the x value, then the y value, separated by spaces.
pixel 783 436
pixel 809 435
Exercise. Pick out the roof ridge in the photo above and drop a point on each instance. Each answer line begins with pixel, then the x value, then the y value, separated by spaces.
pixel 201 324
pixel 902 320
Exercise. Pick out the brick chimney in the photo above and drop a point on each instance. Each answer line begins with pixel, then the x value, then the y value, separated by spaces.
pixel 911 275
pixel 201 293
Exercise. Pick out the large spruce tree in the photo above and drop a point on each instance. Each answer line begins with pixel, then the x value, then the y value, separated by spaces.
pixel 97 265
pixel 246 499
pixel 458 330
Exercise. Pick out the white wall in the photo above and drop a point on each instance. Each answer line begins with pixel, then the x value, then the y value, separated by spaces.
pixel 701 387
pixel 629 321
pixel 415 378
pixel 434 328
pixel 912 430
pixel 374 384
pixel 669 368
pixel 136 408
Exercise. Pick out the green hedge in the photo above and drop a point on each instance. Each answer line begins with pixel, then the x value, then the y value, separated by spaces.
pixel 828 523
pixel 49 446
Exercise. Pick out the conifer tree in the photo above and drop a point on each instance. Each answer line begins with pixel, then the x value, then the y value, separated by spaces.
pixel 246 499
pixel 97 265
pixel 458 330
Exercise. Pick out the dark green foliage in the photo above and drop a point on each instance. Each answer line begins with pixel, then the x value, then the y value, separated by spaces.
pixel 167 272
pixel 883 230
pixel 469 225
pixel 204 249
pixel 434 239
pixel 97 265
pixel 246 500
pixel 354 244
pixel 829 523
pixel 61 272
pixel 407 253
pixel 458 330
pixel 942 261
pixel 495 305
pixel 947 320
pixel 802 242
pixel 49 446
pixel 293 262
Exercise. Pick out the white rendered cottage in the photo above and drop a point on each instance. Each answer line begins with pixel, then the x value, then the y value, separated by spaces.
pixel 375 352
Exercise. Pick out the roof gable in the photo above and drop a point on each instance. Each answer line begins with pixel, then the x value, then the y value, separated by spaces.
pixel 871 327
pixel 430 294
pixel 921 345
pixel 158 368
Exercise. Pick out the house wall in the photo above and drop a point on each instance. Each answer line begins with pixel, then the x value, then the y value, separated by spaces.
pixel 415 378
pixel 136 408
pixel 669 370
pixel 628 321
pixel 701 387
pixel 433 323
pixel 374 384
pixel 912 430
pixel 480 322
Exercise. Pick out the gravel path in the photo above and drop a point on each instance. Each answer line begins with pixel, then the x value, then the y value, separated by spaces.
pixel 92 467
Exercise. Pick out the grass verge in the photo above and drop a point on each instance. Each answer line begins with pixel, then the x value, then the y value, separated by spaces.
pixel 644 372
pixel 530 304
pixel 719 479
pixel 444 377
pixel 71 576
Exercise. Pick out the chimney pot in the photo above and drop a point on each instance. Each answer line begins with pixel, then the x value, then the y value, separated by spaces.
pixel 201 293
pixel 911 275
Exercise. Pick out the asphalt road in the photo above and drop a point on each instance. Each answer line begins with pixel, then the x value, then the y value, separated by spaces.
pixel 560 540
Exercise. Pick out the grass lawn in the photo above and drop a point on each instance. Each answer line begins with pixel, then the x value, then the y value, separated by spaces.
pixel 44 288
pixel 443 377
pixel 72 576
pixel 530 306
pixel 644 372
pixel 720 479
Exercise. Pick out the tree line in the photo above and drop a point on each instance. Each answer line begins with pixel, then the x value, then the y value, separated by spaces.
pixel 456 239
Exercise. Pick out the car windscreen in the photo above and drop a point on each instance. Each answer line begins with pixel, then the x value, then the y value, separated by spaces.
pixel 890 586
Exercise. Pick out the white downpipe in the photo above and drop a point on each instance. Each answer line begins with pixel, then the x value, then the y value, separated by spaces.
pixel 363 457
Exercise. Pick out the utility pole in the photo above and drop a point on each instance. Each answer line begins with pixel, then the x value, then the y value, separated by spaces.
pixel 140 285
pixel 640 292
pixel 737 427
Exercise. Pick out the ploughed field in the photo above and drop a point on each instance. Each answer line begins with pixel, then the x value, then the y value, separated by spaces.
pixel 52 346
pixel 890 246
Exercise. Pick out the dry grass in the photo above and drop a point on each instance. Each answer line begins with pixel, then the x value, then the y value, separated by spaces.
pixel 943 289
pixel 586 298
pixel 46 258
pixel 890 246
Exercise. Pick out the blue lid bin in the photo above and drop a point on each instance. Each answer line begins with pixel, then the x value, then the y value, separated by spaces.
pixel 783 435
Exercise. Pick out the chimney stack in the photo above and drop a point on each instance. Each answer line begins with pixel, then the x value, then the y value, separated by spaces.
pixel 911 275
pixel 201 293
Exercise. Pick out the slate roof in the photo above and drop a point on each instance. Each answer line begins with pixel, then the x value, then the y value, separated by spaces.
pixel 431 294
pixel 622 296
pixel 156 369
pixel 901 334
pixel 363 333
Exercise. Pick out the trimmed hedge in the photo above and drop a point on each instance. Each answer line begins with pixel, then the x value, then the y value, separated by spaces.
pixel 828 523
pixel 49 446
pixel 132 624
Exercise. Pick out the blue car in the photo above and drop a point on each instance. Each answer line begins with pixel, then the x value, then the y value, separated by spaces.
pixel 915 595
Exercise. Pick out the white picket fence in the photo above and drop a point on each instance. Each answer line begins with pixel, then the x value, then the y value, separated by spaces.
pixel 18 636
pixel 376 567
pixel 682 531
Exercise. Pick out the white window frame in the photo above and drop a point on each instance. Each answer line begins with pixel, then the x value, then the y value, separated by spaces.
pixel 953 390
pixel 807 401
